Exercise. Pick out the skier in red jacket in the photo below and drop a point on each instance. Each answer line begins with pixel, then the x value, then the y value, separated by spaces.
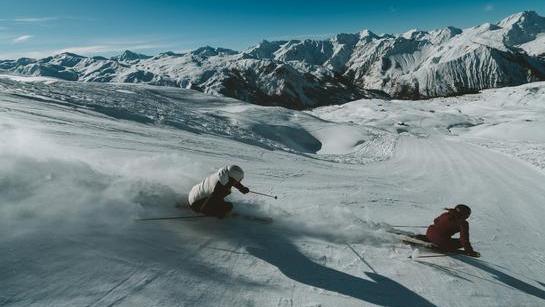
pixel 449 223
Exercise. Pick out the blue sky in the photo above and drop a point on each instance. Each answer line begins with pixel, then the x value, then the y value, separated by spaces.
pixel 38 28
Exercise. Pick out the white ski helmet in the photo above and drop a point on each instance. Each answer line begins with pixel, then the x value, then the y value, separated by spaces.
pixel 235 172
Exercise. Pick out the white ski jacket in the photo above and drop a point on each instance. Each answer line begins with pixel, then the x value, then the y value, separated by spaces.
pixel 206 187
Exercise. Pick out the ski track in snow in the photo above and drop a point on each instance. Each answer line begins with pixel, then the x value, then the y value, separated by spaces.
pixel 72 180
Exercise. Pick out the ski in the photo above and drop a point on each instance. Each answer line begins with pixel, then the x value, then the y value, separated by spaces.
pixel 416 241
pixel 171 218
pixel 413 239
pixel 254 218
pixel 437 253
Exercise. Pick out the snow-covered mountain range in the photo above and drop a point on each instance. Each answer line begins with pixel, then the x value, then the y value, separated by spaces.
pixel 308 73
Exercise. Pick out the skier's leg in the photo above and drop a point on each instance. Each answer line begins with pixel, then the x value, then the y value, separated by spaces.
pixel 206 206
pixel 455 244
pixel 449 245
pixel 226 208
pixel 211 208
pixel 217 208
pixel 196 206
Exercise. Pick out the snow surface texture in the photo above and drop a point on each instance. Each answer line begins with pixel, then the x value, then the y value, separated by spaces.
pixel 309 73
pixel 80 161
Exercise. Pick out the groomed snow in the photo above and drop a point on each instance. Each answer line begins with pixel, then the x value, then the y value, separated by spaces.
pixel 79 162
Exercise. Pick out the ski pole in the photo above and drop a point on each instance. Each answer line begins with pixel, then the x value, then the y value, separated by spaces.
pixel 403 226
pixel 263 194
pixel 171 218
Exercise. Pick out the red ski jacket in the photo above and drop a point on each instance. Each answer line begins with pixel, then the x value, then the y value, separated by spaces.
pixel 444 227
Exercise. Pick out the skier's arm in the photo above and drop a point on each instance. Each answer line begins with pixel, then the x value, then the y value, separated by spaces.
pixel 464 237
pixel 240 187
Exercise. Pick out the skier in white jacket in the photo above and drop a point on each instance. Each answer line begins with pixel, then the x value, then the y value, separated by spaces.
pixel 207 197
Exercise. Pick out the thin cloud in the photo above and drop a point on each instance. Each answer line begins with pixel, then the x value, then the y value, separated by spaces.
pixel 85 49
pixel 301 36
pixel 21 39
pixel 111 47
pixel 35 19
pixel 17 55
pixel 89 50
pixel 489 7
pixel 46 19
pixel 97 49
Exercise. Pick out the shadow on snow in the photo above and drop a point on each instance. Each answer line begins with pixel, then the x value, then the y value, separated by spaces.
pixel 504 278
pixel 273 245
pixel 380 290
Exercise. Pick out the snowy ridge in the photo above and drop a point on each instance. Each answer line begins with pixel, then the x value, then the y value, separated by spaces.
pixel 309 73
pixel 269 128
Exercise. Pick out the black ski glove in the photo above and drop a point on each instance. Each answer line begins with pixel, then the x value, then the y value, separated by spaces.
pixel 244 190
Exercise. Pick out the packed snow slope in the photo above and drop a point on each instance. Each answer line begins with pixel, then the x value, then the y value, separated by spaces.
pixel 79 162
pixel 303 74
